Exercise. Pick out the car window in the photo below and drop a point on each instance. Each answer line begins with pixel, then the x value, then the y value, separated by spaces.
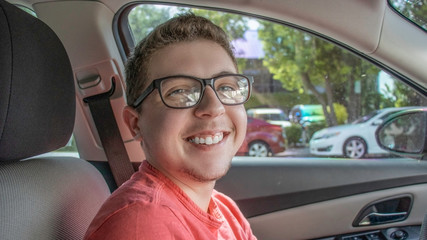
pixel 318 84
pixel 366 117
pixel 277 117
pixel 414 10
pixel 69 150
pixel 30 11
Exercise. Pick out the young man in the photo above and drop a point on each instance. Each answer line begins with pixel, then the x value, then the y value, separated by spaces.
pixel 185 107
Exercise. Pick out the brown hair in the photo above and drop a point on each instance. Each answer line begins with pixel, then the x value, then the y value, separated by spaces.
pixel 183 28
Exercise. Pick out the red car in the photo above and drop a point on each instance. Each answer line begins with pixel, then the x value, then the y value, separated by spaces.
pixel 262 139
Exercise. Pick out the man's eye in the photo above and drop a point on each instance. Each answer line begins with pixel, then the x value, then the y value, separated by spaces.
pixel 182 92
pixel 175 92
pixel 226 88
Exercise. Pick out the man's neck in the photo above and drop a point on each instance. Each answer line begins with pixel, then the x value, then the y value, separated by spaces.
pixel 199 193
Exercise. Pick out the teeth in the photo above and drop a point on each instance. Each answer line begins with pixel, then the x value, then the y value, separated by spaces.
pixel 208 140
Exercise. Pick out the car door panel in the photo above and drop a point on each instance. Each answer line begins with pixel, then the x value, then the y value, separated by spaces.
pixel 293 198
pixel 334 217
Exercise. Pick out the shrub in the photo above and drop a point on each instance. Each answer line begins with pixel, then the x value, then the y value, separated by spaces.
pixel 293 134
pixel 341 113
pixel 313 127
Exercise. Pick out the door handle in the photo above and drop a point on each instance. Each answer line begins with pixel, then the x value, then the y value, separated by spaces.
pixel 376 218
pixel 392 209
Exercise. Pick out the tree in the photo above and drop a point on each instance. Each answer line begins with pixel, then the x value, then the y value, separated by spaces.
pixel 309 64
pixel 401 95
pixel 145 17
pixel 415 10
pixel 233 24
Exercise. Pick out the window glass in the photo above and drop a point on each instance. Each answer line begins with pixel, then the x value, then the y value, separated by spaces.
pixel 70 149
pixel 414 10
pixel 30 11
pixel 307 91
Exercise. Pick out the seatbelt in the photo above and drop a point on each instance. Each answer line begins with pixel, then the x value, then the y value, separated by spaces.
pixel 109 133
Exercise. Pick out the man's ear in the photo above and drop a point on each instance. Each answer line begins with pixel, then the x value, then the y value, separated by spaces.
pixel 131 118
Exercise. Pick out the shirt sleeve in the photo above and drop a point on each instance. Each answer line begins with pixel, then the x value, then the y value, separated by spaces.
pixel 141 222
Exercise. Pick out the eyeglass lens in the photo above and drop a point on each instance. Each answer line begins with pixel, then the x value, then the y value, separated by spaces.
pixel 184 92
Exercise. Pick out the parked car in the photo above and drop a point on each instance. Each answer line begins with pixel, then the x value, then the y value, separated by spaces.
pixel 262 139
pixel 272 115
pixel 364 55
pixel 306 114
pixel 355 140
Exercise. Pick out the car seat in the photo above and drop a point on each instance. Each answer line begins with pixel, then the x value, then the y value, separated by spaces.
pixel 40 197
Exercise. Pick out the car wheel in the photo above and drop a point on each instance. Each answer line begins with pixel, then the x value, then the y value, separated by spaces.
pixel 355 147
pixel 259 149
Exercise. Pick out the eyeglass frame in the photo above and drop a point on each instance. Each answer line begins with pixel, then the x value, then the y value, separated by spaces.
pixel 204 82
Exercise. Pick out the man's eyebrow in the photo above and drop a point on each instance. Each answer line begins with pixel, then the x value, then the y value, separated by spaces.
pixel 223 73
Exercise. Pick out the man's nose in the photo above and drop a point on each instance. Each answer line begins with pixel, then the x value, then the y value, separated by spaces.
pixel 210 105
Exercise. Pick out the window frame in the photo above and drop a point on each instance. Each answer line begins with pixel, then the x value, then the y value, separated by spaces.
pixel 125 43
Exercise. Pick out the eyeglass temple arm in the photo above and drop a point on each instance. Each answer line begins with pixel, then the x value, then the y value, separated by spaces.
pixel 143 95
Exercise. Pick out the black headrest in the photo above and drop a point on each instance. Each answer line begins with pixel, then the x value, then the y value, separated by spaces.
pixel 37 99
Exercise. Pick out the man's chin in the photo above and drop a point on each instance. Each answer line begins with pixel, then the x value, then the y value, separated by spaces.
pixel 207 175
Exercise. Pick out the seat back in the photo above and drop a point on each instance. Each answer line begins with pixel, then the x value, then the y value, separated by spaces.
pixel 40 197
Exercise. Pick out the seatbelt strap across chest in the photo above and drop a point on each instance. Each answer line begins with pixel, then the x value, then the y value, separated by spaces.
pixel 109 133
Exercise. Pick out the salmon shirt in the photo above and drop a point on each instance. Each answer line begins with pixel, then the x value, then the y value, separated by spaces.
pixel 150 206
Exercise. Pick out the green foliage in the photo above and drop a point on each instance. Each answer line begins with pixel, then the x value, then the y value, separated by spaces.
pixel 311 70
pixel 293 134
pixel 306 63
pixel 70 147
pixel 145 17
pixel 314 127
pixel 413 9
pixel 401 95
pixel 234 25
pixel 341 113
pixel 283 100
pixel 241 64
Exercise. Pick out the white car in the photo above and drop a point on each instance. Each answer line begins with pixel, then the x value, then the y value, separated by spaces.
pixel 353 140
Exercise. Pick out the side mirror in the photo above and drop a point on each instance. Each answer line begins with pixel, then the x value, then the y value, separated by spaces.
pixel 405 133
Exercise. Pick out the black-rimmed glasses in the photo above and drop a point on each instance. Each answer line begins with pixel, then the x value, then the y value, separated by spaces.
pixel 186 91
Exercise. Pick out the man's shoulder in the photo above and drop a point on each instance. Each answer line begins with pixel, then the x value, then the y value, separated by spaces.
pixel 136 218
pixel 142 197
pixel 141 191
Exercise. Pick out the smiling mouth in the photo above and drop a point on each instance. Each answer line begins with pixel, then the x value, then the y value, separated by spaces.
pixel 207 140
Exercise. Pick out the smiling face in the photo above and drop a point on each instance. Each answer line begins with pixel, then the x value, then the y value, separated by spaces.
pixel 194 144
